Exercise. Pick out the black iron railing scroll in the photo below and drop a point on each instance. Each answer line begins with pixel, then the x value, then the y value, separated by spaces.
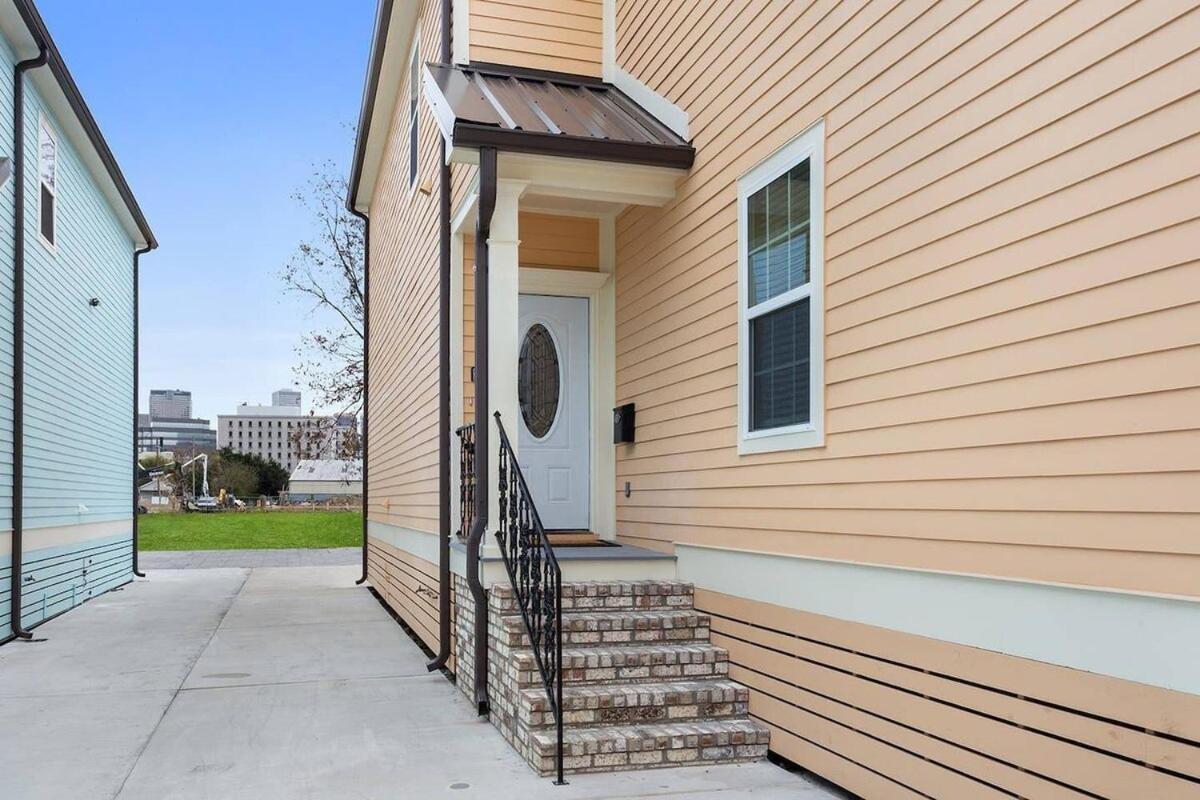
pixel 466 478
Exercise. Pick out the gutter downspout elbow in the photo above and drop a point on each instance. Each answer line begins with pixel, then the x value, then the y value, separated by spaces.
pixel 137 255
pixel 444 610
pixel 18 422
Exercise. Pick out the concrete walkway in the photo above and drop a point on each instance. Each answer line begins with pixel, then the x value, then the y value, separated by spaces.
pixel 272 683
pixel 251 559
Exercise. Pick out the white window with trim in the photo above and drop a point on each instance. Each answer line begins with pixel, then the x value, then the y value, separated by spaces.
pixel 414 83
pixel 47 182
pixel 781 305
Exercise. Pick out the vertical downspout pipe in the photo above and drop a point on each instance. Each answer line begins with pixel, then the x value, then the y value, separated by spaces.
pixel 483 230
pixel 137 255
pixel 18 437
pixel 443 654
pixel 366 373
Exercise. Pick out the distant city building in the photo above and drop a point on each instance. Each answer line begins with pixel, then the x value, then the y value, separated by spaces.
pixel 286 398
pixel 170 404
pixel 170 426
pixel 281 433
pixel 171 434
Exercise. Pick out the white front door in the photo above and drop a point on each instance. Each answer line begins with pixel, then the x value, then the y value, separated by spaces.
pixel 554 433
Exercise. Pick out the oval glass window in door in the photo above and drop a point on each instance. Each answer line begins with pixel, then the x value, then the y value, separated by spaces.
pixel 538 380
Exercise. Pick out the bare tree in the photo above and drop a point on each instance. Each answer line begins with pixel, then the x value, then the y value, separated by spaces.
pixel 323 437
pixel 327 272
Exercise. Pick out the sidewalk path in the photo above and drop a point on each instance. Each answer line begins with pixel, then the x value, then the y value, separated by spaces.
pixel 251 559
pixel 272 683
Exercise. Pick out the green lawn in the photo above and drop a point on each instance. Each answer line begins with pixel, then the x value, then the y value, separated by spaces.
pixel 252 530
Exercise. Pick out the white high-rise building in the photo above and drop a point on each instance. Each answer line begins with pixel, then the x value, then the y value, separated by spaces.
pixel 286 398
pixel 281 433
pixel 170 427
pixel 171 404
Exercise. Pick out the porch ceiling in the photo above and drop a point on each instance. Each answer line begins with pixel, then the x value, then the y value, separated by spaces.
pixel 555 185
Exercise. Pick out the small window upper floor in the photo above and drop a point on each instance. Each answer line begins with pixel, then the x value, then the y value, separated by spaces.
pixel 48 180
pixel 414 96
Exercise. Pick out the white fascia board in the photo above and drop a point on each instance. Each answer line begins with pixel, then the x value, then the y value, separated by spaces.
pixel 663 109
pixel 393 67
pixel 443 114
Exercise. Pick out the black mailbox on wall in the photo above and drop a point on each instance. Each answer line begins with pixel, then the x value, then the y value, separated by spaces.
pixel 623 424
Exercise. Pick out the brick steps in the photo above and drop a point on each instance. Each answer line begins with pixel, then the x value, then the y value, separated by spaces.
pixel 652 745
pixel 629 703
pixel 594 595
pixel 616 663
pixel 642 685
pixel 619 626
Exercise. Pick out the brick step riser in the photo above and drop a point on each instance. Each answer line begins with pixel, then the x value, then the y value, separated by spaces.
pixel 575 639
pixel 661 750
pixel 635 714
pixel 618 629
pixel 531 678
pixel 654 759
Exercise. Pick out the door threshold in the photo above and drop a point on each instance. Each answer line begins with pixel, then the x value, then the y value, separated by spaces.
pixel 577 538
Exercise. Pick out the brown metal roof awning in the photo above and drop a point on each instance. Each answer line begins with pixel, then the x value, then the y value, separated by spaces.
pixel 549 113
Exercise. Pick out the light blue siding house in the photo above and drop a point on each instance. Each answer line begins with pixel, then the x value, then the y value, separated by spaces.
pixel 70 233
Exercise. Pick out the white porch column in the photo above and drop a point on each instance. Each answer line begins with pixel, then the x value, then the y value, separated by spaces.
pixel 503 346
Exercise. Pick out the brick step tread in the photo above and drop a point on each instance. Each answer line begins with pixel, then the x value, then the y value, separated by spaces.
pixel 602 664
pixel 505 603
pixel 630 703
pixel 654 744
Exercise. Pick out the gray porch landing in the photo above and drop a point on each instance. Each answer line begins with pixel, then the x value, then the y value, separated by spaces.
pixel 620 563
pixel 272 683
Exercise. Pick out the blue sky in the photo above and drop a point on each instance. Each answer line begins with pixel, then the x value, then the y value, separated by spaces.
pixel 217 112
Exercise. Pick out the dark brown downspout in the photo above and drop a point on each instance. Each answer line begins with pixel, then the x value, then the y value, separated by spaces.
pixel 483 230
pixel 366 374
pixel 18 437
pixel 137 255
pixel 443 654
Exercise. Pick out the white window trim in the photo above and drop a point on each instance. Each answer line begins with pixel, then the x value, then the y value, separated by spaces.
pixel 808 145
pixel 414 121
pixel 44 125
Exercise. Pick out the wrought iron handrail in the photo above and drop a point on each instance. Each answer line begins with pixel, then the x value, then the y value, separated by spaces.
pixel 535 576
pixel 466 478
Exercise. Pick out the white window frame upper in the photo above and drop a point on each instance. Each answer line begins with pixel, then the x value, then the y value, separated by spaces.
pixel 414 112
pixel 809 145
pixel 47 130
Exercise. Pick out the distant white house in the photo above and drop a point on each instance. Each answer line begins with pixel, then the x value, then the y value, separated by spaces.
pixel 321 479
pixel 155 492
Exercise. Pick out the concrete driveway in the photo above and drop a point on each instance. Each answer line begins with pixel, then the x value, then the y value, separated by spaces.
pixel 219 684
